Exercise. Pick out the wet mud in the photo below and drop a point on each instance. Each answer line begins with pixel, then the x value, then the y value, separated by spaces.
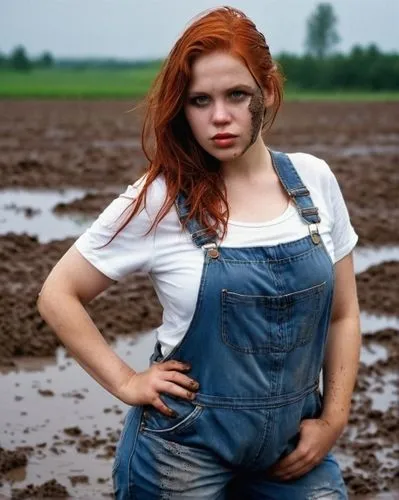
pixel 24 265
pixel 49 489
pixel 378 288
pixel 91 203
pixel 60 428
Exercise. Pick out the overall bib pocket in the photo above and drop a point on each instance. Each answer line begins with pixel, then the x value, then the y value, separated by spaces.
pixel 156 422
pixel 260 324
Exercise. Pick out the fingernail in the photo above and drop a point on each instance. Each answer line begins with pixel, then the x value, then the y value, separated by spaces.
pixel 174 414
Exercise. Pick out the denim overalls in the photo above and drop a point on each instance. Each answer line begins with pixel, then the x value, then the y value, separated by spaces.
pixel 256 345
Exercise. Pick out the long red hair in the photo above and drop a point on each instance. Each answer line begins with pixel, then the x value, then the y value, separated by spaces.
pixel 167 140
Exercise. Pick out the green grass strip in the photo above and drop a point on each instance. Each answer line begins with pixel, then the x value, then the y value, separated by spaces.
pixel 133 83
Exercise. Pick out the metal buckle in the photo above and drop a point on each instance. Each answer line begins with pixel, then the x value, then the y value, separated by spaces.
pixel 314 233
pixel 301 191
pixel 309 211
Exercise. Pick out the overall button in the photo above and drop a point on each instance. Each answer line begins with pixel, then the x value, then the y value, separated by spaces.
pixel 213 253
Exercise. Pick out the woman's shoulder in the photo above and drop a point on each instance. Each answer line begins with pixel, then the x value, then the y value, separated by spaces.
pixel 310 164
pixel 155 197
pixel 155 191
pixel 314 171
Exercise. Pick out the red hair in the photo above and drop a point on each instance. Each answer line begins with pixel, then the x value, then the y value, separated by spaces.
pixel 175 154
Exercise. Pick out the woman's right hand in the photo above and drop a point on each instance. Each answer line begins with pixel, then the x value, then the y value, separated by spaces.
pixel 144 388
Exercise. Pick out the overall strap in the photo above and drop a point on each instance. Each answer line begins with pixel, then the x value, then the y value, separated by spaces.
pixel 198 234
pixel 299 193
pixel 295 187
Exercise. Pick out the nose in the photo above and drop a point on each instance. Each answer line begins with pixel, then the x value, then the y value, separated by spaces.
pixel 220 113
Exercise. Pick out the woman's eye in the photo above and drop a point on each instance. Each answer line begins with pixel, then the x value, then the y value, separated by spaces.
pixel 199 100
pixel 238 94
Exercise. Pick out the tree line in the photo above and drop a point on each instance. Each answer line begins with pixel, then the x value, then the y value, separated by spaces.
pixel 321 68
pixel 19 60
pixel 364 68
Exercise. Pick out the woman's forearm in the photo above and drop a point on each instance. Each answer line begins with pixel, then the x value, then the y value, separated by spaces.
pixel 68 318
pixel 340 368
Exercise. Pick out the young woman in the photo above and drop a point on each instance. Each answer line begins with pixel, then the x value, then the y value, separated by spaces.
pixel 250 253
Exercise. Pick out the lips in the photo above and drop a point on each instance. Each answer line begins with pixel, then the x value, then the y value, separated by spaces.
pixel 223 136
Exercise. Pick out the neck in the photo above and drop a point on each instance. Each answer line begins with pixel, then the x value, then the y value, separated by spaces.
pixel 254 161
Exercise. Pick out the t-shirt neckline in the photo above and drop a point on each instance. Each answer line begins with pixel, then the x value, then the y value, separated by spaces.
pixel 288 212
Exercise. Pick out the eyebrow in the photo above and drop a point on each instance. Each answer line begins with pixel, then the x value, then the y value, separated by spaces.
pixel 239 86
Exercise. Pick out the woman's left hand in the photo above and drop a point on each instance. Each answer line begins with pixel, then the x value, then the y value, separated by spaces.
pixel 317 437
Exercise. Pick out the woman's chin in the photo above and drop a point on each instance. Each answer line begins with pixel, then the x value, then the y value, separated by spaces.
pixel 227 154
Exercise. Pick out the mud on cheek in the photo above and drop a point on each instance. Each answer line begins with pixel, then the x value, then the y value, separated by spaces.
pixel 256 108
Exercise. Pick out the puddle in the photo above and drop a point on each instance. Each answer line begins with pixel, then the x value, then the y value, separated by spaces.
pixel 360 150
pixel 29 418
pixel 370 323
pixel 383 391
pixel 373 352
pixel 365 257
pixel 42 221
pixel 357 150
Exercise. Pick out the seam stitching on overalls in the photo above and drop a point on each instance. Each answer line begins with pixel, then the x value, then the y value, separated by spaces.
pixel 130 480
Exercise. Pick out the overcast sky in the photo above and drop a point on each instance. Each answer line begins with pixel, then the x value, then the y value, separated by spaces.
pixel 137 29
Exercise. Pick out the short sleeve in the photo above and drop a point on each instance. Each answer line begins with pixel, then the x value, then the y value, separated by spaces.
pixel 343 234
pixel 131 250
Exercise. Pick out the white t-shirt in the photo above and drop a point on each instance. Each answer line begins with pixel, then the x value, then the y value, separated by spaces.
pixel 174 263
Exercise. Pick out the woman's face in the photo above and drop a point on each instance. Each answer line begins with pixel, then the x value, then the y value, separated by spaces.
pixel 224 98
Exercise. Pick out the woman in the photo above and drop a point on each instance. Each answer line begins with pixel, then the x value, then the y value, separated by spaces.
pixel 250 252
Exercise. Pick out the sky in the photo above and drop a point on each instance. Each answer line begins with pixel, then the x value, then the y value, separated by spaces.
pixel 141 29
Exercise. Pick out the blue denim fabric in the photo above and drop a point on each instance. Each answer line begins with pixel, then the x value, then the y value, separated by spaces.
pixel 256 345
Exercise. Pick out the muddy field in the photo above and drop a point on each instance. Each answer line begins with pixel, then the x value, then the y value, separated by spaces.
pixel 60 164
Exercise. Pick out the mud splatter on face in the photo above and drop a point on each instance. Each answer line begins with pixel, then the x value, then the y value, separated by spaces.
pixel 256 108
